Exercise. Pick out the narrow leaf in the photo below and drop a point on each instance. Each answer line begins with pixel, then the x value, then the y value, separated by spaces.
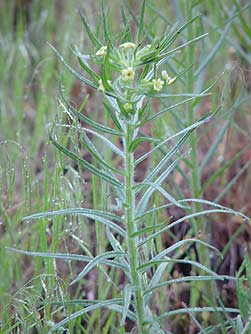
pixel 93 151
pixel 85 119
pixel 146 266
pixel 153 186
pixel 134 144
pixel 110 304
pixel 74 72
pixel 100 216
pixel 92 37
pixel 186 130
pixel 187 279
pixel 95 262
pixel 104 176
pixel 127 300
pixel 222 169
pixel 196 310
pixel 216 47
pixel 141 22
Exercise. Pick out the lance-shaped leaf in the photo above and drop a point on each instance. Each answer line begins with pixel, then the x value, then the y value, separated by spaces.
pixel 95 262
pixel 116 246
pixel 90 147
pixel 157 276
pixel 105 26
pixel 141 22
pixel 113 304
pixel 216 205
pixel 61 256
pixel 187 279
pixel 168 53
pixel 92 37
pixel 169 108
pixel 112 108
pixel 134 144
pixel 82 60
pixel 128 291
pixel 153 186
pixel 126 34
pixel 154 210
pixel 100 216
pixel 94 170
pixel 170 40
pixel 113 147
pixel 72 70
pixel 185 218
pixel 219 209
pixel 215 48
pixel 188 310
pixel 149 229
pixel 84 118
pixel 182 243
pixel 165 95
pixel 166 158
pixel 164 141
pixel 146 266
pixel 70 257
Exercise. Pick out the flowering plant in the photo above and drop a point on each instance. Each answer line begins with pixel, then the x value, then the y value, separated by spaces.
pixel 130 74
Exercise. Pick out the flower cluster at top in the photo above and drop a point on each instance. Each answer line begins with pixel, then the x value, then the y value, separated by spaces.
pixel 127 60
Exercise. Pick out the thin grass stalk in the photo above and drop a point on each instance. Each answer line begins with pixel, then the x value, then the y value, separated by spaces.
pixel 199 227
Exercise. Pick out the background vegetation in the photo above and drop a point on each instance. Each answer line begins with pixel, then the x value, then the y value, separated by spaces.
pixel 35 177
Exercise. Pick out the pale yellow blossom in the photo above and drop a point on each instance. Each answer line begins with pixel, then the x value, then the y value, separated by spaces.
pixel 158 84
pixel 128 45
pixel 101 87
pixel 101 51
pixel 167 78
pixel 127 74
pixel 128 106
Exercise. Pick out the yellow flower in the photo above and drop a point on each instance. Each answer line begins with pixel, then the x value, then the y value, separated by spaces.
pixel 166 77
pixel 128 45
pixel 101 88
pixel 157 84
pixel 128 107
pixel 101 51
pixel 127 74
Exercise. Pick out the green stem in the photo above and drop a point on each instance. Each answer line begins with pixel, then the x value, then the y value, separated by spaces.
pixel 131 227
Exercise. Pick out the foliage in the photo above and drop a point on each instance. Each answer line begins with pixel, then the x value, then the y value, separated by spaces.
pixel 130 70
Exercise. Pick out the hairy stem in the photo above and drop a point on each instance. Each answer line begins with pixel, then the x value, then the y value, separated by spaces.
pixel 131 227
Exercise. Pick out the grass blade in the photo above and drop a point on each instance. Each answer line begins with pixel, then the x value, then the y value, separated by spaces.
pixel 215 48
